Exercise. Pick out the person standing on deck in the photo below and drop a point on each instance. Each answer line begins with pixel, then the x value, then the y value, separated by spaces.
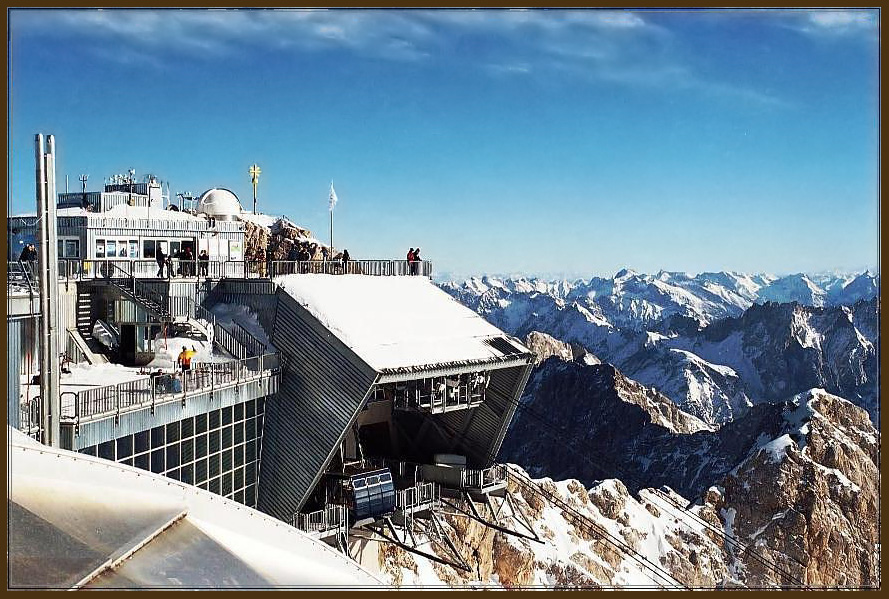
pixel 410 261
pixel 161 260
pixel 204 261
pixel 184 359
pixel 415 267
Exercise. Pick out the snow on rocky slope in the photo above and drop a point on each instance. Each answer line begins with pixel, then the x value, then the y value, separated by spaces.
pixel 711 342
pixel 796 506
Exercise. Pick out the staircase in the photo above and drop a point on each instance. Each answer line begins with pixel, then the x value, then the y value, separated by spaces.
pixel 84 313
pixel 158 305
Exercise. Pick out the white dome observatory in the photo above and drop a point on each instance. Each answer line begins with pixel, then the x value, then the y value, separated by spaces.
pixel 220 204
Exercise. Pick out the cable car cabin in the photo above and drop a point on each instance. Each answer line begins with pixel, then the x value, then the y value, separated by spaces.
pixel 367 495
pixel 373 493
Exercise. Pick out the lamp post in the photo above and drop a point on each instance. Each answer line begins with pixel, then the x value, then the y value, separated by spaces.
pixel 254 178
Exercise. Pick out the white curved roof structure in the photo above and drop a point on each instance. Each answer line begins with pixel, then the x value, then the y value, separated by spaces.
pixel 76 521
pixel 219 203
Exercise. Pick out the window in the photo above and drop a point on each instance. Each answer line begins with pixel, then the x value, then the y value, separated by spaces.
pixel 72 248
pixel 100 248
pixel 148 248
pixel 121 248
pixel 134 248
pixel 111 248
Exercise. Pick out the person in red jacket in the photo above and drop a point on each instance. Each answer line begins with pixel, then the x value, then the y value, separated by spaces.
pixel 410 261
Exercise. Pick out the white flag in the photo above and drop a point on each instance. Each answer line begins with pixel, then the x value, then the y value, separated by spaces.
pixel 332 197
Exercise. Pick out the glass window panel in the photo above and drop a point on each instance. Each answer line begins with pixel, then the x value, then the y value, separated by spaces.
pixel 214 419
pixel 173 432
pixel 157 436
pixel 134 248
pixel 214 486
pixel 200 446
pixel 188 451
pixel 250 473
pixel 157 461
pixel 200 423
pixel 200 471
pixel 227 460
pixel 213 464
pixel 121 248
pixel 250 409
pixel 226 437
pixel 226 484
pixel 142 443
pixel 141 461
pixel 148 248
pixel 250 451
pixel 174 474
pixel 187 474
pixel 173 456
pixel 239 478
pixel 239 455
pixel 214 441
pixel 239 433
pixel 239 412
pixel 250 496
pixel 60 249
pixel 227 415
pixel 111 248
pixel 100 248
pixel 125 447
pixel 239 496
pixel 187 428
pixel 106 450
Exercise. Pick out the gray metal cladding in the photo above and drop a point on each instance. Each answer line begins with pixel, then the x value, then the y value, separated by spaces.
pixel 479 432
pixel 15 340
pixel 323 386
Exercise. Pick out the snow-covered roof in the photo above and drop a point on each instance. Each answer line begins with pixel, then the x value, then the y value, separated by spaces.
pixel 395 323
pixel 77 519
pixel 122 211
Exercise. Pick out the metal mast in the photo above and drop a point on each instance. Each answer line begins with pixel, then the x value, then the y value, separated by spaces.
pixel 50 403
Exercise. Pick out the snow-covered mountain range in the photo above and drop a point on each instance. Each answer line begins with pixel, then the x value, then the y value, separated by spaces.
pixel 714 343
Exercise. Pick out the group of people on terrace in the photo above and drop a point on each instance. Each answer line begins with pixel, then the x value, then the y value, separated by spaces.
pixel 186 263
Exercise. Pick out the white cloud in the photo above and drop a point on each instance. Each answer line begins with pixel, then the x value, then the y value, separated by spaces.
pixel 837 23
pixel 611 45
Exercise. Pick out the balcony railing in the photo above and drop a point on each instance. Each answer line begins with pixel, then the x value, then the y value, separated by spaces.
pixel 483 479
pixel 23 275
pixel 330 519
pixel 421 496
pixel 155 389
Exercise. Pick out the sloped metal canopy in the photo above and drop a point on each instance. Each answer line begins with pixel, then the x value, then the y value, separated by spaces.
pixel 78 521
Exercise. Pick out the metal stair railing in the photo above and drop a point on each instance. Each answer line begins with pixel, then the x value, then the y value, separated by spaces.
pixel 153 302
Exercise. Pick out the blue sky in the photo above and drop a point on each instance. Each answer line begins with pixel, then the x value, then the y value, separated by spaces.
pixel 567 143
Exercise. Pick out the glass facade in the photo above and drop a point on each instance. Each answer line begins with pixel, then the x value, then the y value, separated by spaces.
pixel 217 451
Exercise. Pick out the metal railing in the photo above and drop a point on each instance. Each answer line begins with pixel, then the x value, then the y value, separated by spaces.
pixel 21 276
pixel 482 479
pixel 423 494
pixel 352 267
pixel 331 518
pixel 84 269
pixel 153 389
pixel 29 418
pixel 73 349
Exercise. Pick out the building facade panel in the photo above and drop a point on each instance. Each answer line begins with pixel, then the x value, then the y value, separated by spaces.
pixel 323 387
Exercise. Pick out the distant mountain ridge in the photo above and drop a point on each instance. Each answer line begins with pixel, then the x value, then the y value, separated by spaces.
pixel 714 343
